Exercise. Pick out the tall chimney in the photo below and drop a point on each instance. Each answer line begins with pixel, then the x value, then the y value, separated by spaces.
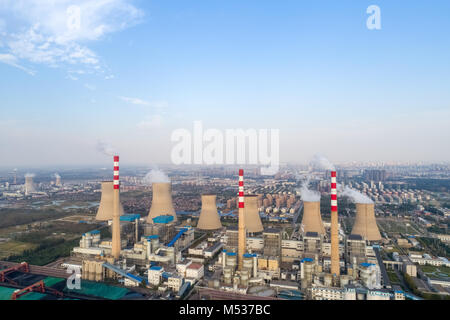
pixel 365 223
pixel 136 224
pixel 209 217
pixel 161 201
pixel 335 268
pixel 116 212
pixel 241 221
pixel 312 220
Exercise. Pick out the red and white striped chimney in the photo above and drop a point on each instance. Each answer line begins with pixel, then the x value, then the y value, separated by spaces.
pixel 334 232
pixel 242 235
pixel 241 188
pixel 333 192
pixel 116 243
pixel 116 172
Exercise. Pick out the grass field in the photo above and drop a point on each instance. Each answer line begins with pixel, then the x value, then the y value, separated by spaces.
pixel 393 277
pixel 14 248
pixel 23 238
pixel 10 231
pixel 392 226
pixel 436 272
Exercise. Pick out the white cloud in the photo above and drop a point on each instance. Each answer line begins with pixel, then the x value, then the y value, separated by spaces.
pixel 137 101
pixel 57 33
pixel 13 61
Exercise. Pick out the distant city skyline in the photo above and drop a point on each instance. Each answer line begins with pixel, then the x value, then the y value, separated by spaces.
pixel 134 71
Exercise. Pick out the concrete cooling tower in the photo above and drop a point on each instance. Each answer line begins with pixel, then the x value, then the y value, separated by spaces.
pixel 209 217
pixel 161 202
pixel 29 185
pixel 312 220
pixel 365 224
pixel 58 181
pixel 105 210
pixel 251 214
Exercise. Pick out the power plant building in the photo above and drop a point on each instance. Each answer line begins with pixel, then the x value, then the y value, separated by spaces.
pixel 272 242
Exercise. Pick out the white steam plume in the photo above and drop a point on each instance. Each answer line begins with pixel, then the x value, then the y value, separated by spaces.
pixel 356 196
pixel 105 148
pixel 29 175
pixel 57 175
pixel 320 162
pixel 156 175
pixel 307 194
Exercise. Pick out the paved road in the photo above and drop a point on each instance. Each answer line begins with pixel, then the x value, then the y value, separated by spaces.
pixel 386 281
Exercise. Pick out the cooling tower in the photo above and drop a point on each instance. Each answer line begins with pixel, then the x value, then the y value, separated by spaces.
pixel 209 217
pixel 29 185
pixel 251 214
pixel 365 224
pixel 58 181
pixel 312 220
pixel 161 202
pixel 105 210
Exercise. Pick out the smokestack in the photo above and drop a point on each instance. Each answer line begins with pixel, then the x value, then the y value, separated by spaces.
pixel 365 224
pixel 241 222
pixel 335 268
pixel 209 217
pixel 136 222
pixel 252 219
pixel 116 212
pixel 161 201
pixel 312 220
pixel 105 209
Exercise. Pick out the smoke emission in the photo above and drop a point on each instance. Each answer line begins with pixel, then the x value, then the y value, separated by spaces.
pixel 307 194
pixel 156 175
pixel 356 196
pixel 57 175
pixel 105 148
pixel 320 162
pixel 30 175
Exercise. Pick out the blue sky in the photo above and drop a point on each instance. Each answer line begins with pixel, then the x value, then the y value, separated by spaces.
pixel 136 70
